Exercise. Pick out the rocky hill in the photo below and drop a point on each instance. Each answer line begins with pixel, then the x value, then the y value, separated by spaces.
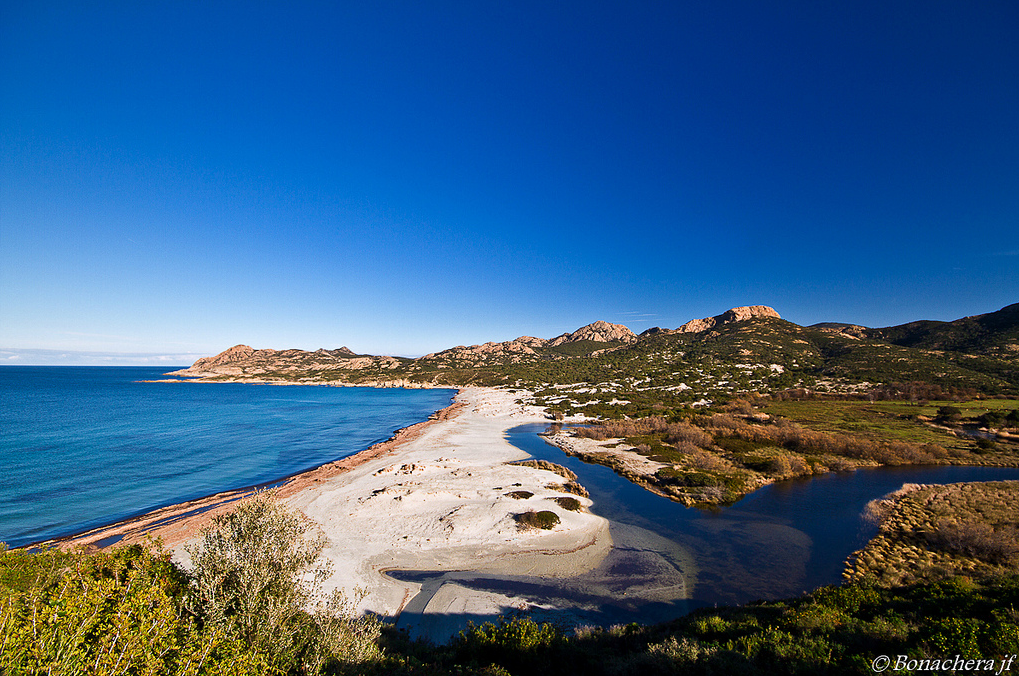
pixel 743 350
pixel 598 332
pixel 512 350
pixel 736 314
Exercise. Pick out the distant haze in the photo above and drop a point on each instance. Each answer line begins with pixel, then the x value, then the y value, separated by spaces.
pixel 72 358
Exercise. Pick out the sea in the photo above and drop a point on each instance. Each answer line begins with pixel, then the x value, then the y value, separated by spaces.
pixel 83 447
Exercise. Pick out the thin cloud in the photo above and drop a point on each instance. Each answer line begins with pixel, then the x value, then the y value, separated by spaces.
pixel 42 357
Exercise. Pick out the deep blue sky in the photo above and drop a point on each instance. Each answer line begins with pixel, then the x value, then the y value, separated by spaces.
pixel 404 177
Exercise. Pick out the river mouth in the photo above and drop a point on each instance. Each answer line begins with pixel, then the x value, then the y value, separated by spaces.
pixel 780 541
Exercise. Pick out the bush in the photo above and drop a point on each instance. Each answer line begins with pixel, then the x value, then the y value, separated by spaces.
pixel 545 520
pixel 949 414
pixel 679 432
pixel 247 575
pixel 517 643
pixel 520 495
pixel 569 487
pixel 256 574
pixel 244 610
pixel 976 539
pixel 571 504
pixel 109 612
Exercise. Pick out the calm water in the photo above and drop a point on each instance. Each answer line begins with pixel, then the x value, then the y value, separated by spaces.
pixel 667 559
pixel 781 540
pixel 81 447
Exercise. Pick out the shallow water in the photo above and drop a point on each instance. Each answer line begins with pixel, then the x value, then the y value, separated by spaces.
pixel 82 447
pixel 782 540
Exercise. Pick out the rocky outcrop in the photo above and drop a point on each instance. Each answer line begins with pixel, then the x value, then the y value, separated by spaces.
pixel 599 332
pixel 736 314
pixel 520 346
pixel 226 362
pixel 245 361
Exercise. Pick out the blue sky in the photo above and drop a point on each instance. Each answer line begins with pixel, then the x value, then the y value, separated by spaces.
pixel 179 177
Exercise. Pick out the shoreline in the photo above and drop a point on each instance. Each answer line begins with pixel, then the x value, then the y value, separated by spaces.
pixel 252 380
pixel 448 503
pixel 183 520
pixel 441 495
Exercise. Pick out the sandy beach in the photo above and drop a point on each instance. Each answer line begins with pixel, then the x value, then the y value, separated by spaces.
pixel 440 503
pixel 433 498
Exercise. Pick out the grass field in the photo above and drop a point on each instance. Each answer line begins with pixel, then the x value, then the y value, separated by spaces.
pixel 933 532
pixel 885 420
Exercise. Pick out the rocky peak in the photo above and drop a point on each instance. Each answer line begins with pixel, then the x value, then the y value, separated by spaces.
pixel 736 314
pixel 599 331
pixel 234 354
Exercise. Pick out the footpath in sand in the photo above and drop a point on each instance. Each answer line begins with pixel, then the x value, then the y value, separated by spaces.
pixel 441 503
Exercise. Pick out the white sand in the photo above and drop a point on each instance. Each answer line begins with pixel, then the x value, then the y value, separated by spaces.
pixel 439 502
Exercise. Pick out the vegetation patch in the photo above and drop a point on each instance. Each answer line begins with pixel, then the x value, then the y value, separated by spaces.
pixel 571 504
pixel 935 532
pixel 548 466
pixel 253 604
pixel 544 520
pixel 134 611
pixel 570 487
pixel 833 631
pixel 520 495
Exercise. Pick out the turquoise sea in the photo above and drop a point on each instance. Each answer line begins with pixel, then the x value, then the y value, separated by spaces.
pixel 81 447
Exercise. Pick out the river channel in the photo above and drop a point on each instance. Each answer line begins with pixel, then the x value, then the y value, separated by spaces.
pixel 782 540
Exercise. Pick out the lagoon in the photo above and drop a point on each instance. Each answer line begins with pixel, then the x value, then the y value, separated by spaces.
pixel 782 540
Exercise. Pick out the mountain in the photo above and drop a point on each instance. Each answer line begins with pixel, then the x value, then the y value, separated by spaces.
pixel 736 314
pixel 598 332
pixel 995 334
pixel 584 340
pixel 745 349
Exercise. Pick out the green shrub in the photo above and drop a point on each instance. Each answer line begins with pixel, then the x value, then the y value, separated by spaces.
pixel 984 445
pixel 520 495
pixel 545 520
pixel 256 573
pixel 517 644
pixel 247 576
pixel 949 413
pixel 110 612
pixel 251 606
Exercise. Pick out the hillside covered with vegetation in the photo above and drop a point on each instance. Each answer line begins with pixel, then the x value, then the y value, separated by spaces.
pixel 252 605
pixel 750 352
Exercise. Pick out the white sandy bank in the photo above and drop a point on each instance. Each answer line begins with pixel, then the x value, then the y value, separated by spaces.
pixel 439 502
